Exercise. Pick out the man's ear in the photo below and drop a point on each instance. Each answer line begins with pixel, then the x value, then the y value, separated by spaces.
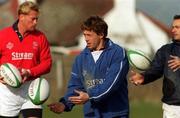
pixel 21 17
pixel 101 35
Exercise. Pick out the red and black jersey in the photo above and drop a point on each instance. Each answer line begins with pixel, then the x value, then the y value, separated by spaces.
pixel 30 52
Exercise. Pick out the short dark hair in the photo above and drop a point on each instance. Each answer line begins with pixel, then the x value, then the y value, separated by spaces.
pixel 95 24
pixel 176 17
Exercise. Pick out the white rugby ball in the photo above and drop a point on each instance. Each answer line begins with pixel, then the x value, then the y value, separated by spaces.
pixel 11 75
pixel 138 60
pixel 38 91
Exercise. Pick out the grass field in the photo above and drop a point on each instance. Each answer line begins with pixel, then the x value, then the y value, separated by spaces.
pixel 137 110
pixel 145 110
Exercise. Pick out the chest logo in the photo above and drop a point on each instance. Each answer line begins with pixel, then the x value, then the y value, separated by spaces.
pixel 9 45
pixel 35 45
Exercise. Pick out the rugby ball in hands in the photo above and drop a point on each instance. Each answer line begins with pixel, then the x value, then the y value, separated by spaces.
pixel 38 91
pixel 11 75
pixel 138 60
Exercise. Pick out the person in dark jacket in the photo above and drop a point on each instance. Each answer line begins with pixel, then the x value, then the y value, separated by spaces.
pixel 98 78
pixel 166 63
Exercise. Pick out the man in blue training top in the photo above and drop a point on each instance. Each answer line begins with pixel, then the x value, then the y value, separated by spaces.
pixel 98 78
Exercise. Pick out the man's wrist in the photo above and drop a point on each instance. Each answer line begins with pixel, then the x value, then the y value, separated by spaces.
pixel 29 71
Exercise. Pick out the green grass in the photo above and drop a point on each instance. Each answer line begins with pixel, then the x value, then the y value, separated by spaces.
pixel 137 110
pixel 75 113
pixel 145 110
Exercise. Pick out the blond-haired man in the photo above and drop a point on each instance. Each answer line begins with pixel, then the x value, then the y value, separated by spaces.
pixel 28 49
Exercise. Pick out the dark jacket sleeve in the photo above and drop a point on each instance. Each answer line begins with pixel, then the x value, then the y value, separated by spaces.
pixel 156 69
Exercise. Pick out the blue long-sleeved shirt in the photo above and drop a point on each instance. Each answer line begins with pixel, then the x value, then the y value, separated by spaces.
pixel 105 82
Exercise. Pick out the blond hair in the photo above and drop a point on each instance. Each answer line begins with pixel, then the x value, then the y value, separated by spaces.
pixel 27 6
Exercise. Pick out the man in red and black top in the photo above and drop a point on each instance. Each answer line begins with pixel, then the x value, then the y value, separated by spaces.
pixel 28 49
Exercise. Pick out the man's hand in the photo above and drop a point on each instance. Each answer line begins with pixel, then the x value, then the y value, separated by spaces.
pixel 57 107
pixel 80 99
pixel 136 78
pixel 174 63
pixel 1 80
pixel 25 73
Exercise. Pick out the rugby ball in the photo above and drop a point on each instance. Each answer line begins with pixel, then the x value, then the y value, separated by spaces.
pixel 11 75
pixel 38 91
pixel 138 60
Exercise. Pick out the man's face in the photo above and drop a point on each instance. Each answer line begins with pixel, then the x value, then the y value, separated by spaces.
pixel 29 21
pixel 176 29
pixel 93 40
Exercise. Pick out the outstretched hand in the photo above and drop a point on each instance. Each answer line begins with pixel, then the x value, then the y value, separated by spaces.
pixel 136 78
pixel 80 99
pixel 57 107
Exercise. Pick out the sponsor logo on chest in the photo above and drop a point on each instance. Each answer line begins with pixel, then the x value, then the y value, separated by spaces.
pixel 9 45
pixel 90 81
pixel 22 55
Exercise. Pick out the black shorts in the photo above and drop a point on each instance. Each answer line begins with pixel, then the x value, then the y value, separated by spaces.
pixel 8 117
pixel 31 113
